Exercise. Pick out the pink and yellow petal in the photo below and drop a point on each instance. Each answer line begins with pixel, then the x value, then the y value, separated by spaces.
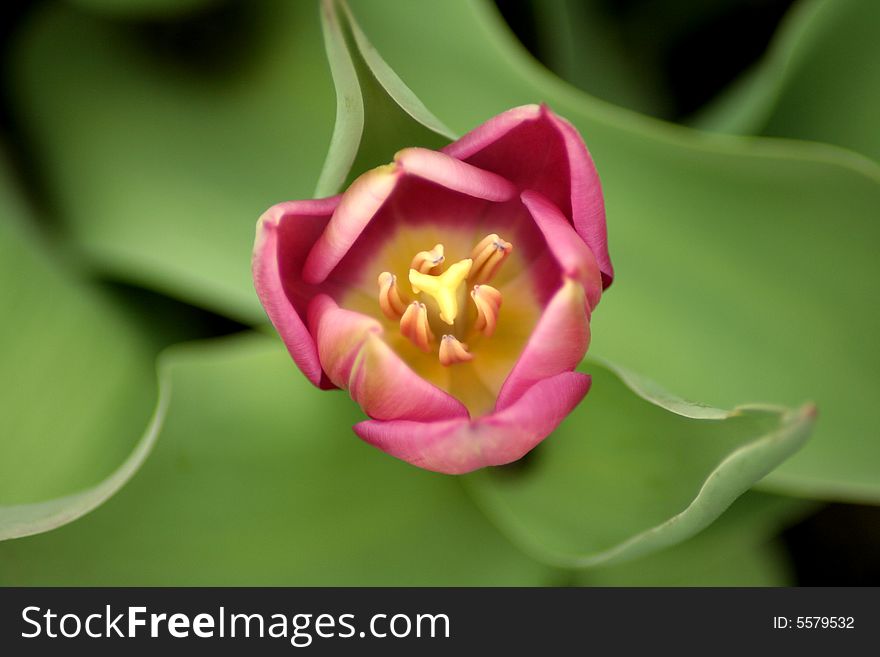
pixel 574 257
pixel 454 175
pixel 587 202
pixel 355 357
pixel 460 446
pixel 355 210
pixel 285 233
pixel 492 131
pixel 557 344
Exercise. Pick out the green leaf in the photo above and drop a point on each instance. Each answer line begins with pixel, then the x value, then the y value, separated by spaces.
pixel 349 126
pixel 580 42
pixel 257 479
pixel 27 519
pixel 765 565
pixel 737 550
pixel 396 88
pixel 834 95
pixel 630 472
pixel 161 168
pixel 396 117
pixel 817 81
pixel 77 389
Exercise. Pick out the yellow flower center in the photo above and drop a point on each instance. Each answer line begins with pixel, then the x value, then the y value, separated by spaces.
pixel 441 295
pixel 443 288
pixel 471 349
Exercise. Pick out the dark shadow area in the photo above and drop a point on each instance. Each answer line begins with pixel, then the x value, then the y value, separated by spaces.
pixel 707 58
pixel 684 51
pixel 838 546
pixel 212 41
pixel 13 147
pixel 170 321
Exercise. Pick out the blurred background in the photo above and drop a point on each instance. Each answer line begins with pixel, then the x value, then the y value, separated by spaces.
pixel 669 59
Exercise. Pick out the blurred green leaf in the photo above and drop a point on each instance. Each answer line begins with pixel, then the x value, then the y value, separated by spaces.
pixel 765 564
pixel 161 171
pixel 349 126
pixel 257 479
pixel 77 389
pixel 737 550
pixel 143 9
pixel 733 283
pixel 626 474
pixel 818 80
pixel 579 43
pixel 27 519
pixel 388 79
pixel 362 77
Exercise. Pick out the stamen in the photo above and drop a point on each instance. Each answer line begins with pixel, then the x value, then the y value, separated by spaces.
pixel 488 301
pixel 427 262
pixel 488 256
pixel 444 288
pixel 389 296
pixel 452 351
pixel 414 326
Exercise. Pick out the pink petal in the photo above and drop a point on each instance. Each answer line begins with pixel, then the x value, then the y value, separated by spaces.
pixel 459 446
pixel 574 257
pixel 454 174
pixel 587 203
pixel 492 131
pixel 277 260
pixel 355 358
pixel 358 205
pixel 537 150
pixel 366 196
pixel 557 344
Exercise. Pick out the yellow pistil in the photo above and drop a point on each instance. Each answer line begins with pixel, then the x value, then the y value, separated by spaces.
pixel 487 257
pixel 428 262
pixel 414 326
pixel 392 304
pixel 488 301
pixel 452 351
pixel 443 288
pixel 440 293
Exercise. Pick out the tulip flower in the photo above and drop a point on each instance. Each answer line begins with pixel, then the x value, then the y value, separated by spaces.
pixel 449 292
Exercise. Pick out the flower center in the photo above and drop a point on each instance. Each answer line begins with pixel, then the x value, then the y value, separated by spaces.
pixel 441 302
